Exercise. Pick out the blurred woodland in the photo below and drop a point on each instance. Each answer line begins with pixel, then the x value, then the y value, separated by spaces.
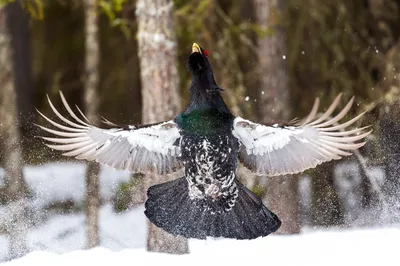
pixel 291 51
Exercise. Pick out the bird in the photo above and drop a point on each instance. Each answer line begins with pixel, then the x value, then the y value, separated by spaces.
pixel 206 142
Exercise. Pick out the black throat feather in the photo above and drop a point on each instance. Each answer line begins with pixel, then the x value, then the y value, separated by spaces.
pixel 205 95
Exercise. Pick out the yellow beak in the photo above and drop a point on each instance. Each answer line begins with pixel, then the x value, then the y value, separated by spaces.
pixel 196 48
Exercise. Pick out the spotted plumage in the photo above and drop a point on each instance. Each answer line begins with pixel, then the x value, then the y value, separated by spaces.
pixel 210 167
pixel 207 141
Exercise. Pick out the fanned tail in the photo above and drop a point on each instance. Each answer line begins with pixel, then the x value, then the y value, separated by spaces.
pixel 169 207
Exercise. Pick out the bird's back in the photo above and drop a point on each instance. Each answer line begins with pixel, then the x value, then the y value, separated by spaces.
pixel 209 152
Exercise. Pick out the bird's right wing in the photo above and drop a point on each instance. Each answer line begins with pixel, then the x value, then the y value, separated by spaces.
pixel 144 149
pixel 288 149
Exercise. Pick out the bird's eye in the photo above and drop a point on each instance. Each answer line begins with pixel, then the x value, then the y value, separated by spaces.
pixel 205 52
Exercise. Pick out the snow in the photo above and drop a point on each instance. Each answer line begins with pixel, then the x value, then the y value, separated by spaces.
pixel 353 247
pixel 59 239
pixel 63 181
pixel 66 232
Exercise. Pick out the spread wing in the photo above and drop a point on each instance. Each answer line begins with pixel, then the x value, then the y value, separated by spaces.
pixel 278 150
pixel 145 149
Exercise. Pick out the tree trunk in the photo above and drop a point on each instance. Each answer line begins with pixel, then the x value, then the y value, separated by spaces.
pixel 91 104
pixel 325 205
pixel 15 188
pixel 282 191
pixel 18 23
pixel 389 131
pixel 159 78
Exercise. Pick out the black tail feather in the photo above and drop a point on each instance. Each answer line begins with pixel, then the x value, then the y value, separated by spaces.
pixel 169 206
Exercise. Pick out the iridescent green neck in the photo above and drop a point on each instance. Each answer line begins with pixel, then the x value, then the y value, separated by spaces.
pixel 204 122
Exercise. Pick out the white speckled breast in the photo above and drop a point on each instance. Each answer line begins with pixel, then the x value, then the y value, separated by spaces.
pixel 210 167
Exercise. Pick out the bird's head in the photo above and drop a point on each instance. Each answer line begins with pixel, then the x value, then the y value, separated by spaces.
pixel 198 63
pixel 201 70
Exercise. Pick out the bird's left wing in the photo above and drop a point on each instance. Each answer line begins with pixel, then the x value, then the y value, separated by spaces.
pixel 278 150
pixel 144 149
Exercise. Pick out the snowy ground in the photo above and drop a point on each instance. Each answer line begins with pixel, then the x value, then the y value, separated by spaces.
pixel 355 247
pixel 64 181
pixel 60 239
pixel 65 233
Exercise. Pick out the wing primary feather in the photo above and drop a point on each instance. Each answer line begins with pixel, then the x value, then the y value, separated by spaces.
pixel 344 133
pixel 108 122
pixel 83 115
pixel 68 147
pixel 334 150
pixel 347 139
pixel 79 151
pixel 344 125
pixel 66 140
pixel 62 133
pixel 60 126
pixel 72 114
pixel 339 116
pixel 328 112
pixel 345 146
pixel 88 155
pixel 313 112
pixel 327 155
pixel 62 117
